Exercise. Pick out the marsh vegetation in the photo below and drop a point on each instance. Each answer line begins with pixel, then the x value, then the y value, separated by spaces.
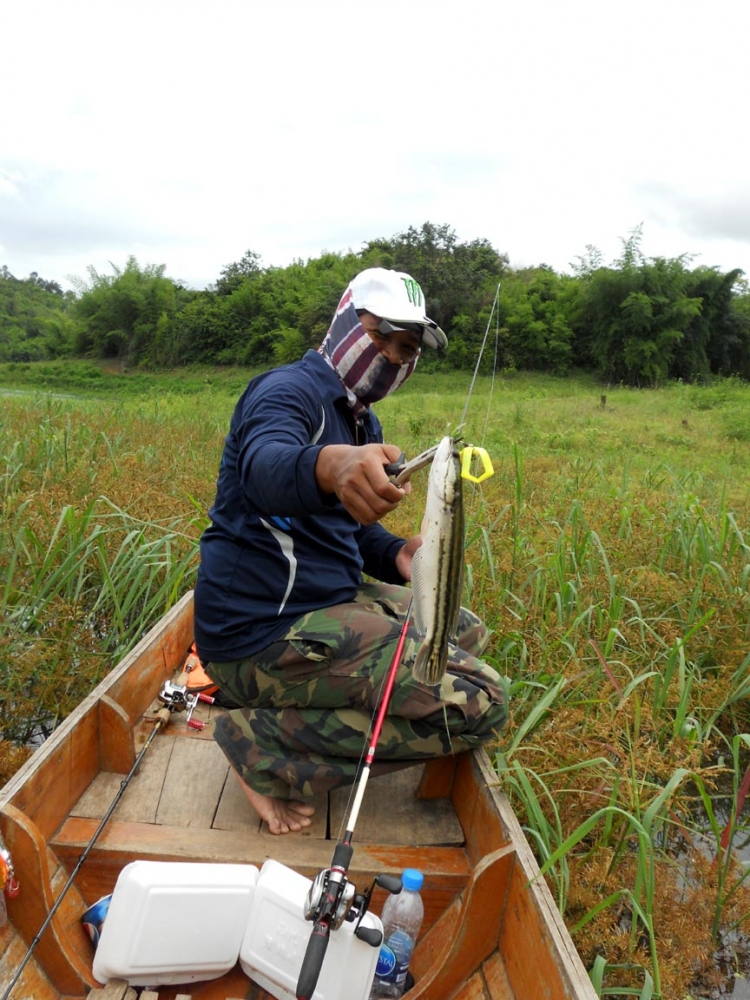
pixel 610 553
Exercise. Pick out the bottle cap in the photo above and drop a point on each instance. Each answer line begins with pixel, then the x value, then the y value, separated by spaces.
pixel 412 879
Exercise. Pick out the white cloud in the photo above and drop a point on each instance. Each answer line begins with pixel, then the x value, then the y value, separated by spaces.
pixel 186 133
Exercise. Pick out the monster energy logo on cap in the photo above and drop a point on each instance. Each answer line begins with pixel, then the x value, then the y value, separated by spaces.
pixel 380 292
pixel 413 291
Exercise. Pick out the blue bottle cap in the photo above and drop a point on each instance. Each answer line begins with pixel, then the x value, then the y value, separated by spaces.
pixel 412 879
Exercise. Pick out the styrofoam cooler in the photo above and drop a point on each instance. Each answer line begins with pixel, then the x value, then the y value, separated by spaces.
pixel 276 939
pixel 174 922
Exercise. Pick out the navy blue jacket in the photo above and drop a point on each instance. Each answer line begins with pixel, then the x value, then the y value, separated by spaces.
pixel 277 547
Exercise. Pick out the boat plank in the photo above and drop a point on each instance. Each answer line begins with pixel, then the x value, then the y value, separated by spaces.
pixel 121 843
pixel 195 778
pixel 391 813
pixel 523 920
pixel 140 799
pixel 307 855
pixel 234 812
pixel 60 776
pixel 475 989
pixel 116 744
pixel 476 808
pixel 33 983
pixel 117 989
pixel 437 778
pixel 496 978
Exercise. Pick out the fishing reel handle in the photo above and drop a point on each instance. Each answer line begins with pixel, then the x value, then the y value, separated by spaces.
pixel 312 963
pixel 391 883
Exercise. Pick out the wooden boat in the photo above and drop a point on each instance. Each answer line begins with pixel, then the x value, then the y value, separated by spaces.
pixel 491 928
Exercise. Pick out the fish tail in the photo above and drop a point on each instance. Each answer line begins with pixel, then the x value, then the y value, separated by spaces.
pixel 430 664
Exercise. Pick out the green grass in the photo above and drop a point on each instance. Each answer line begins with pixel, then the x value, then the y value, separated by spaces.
pixel 610 553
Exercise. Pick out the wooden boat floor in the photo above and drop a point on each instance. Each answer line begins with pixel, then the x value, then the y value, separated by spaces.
pixel 185 781
pixel 185 803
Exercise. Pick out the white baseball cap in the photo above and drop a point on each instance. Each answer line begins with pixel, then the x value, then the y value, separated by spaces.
pixel 398 298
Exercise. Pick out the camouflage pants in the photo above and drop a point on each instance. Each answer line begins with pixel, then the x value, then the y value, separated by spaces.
pixel 311 698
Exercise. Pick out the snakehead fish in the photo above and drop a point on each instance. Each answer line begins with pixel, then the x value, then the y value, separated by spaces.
pixel 437 569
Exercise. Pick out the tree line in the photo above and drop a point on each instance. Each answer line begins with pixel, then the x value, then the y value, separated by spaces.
pixel 637 320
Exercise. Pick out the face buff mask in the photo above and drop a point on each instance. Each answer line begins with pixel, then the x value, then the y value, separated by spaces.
pixel 366 375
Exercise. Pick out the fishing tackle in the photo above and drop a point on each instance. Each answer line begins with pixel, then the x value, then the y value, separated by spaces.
pixel 401 471
pixel 9 885
pixel 332 898
pixel 467 456
pixel 178 698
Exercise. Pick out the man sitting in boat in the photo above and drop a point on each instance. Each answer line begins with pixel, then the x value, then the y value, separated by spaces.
pixel 284 622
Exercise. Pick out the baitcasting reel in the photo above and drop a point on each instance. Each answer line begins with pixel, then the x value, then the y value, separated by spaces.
pixel 177 698
pixel 348 904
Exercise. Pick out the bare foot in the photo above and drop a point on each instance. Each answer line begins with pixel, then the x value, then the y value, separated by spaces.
pixel 282 815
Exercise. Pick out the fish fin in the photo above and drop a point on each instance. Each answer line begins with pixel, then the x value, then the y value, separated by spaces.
pixel 430 664
pixel 419 595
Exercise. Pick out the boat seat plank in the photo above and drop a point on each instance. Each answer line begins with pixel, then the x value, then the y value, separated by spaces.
pixel 392 814
pixel 195 778
pixel 121 843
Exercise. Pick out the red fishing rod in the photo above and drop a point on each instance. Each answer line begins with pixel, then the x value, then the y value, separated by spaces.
pixel 332 897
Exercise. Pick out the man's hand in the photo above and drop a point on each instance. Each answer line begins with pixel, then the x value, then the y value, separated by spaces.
pixel 357 476
pixel 405 555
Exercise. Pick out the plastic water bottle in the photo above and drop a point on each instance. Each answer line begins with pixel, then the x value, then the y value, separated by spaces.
pixel 402 917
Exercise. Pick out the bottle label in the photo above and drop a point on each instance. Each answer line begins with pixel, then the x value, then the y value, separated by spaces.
pixel 386 962
pixel 394 957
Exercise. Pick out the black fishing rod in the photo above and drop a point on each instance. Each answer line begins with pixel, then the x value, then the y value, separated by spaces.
pixel 162 718
pixel 331 896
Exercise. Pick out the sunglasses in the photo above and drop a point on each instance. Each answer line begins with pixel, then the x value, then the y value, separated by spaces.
pixel 385 327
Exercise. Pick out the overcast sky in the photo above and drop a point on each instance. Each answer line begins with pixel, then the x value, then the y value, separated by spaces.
pixel 187 133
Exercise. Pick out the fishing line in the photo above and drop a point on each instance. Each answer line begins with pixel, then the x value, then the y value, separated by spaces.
pixel 162 719
pixel 494 311
pixel 479 357
pixel 494 363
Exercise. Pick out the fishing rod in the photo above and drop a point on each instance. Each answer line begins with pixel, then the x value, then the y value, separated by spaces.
pixel 161 719
pixel 332 897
